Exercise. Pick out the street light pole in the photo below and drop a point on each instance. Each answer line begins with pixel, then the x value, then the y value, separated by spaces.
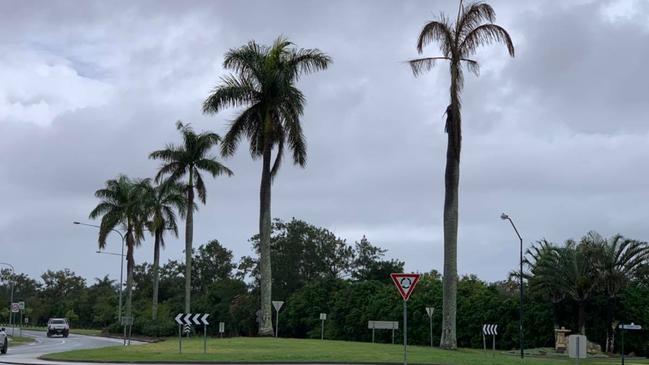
pixel 504 216
pixel 121 268
pixel 11 314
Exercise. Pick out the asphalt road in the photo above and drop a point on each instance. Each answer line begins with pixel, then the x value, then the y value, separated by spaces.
pixel 29 353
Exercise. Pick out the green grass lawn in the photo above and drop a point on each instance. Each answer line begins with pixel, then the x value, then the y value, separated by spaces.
pixel 19 340
pixel 246 349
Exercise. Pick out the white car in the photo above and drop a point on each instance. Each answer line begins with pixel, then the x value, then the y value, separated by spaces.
pixel 58 326
pixel 3 341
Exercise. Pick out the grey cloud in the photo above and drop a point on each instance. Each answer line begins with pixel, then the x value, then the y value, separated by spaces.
pixel 556 137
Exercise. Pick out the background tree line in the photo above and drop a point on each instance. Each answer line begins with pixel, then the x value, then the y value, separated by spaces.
pixel 315 272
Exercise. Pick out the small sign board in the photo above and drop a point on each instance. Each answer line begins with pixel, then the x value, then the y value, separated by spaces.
pixel 15 308
pixel 278 304
pixel 127 321
pixel 383 325
pixel 221 327
pixel 21 305
pixel 577 346
pixel 405 283
pixel 323 316
pixel 632 327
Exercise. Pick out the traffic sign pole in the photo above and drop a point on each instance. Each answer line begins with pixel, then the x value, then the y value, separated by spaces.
pixel 405 284
pixel 405 332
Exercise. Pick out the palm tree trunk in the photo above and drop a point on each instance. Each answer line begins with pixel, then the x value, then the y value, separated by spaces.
pixel 581 317
pixel 189 236
pixel 610 312
pixel 156 275
pixel 452 179
pixel 266 326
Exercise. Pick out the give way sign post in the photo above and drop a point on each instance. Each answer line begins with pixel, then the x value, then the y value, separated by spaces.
pixel 405 284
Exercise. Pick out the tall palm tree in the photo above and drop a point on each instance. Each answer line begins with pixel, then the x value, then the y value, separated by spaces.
pixel 264 83
pixel 122 205
pixel 189 159
pixel 618 261
pixel 163 200
pixel 458 42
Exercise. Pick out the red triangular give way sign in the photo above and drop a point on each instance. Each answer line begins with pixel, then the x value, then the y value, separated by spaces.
pixel 405 283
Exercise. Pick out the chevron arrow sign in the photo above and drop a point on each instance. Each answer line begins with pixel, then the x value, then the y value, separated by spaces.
pixel 191 319
pixel 490 329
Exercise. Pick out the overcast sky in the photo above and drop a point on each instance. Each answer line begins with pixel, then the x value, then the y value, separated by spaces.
pixel 557 137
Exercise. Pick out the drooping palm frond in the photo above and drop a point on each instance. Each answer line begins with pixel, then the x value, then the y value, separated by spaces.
pixel 473 15
pixel 484 35
pixel 440 31
pixel 421 65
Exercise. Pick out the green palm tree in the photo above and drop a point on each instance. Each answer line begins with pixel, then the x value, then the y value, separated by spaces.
pixel 618 261
pixel 163 200
pixel 264 84
pixel 122 205
pixel 189 159
pixel 458 42
pixel 541 277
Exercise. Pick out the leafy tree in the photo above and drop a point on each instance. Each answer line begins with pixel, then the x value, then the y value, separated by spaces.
pixel 212 263
pixel 122 204
pixel 302 253
pixel 162 203
pixel 189 159
pixel 102 301
pixel 264 84
pixel 367 263
pixel 458 42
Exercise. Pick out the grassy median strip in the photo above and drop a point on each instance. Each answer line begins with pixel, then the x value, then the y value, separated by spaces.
pixel 20 340
pixel 245 349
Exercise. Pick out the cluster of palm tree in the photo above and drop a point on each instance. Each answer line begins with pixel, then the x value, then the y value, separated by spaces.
pixel 263 84
pixel 575 271
pixel 137 206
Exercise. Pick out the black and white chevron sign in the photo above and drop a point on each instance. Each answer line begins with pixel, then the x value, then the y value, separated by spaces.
pixel 490 329
pixel 192 319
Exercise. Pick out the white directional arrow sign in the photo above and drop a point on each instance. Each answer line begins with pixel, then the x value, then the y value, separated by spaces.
pixel 195 319
pixel 179 318
pixel 204 319
pixel 490 329
pixel 188 319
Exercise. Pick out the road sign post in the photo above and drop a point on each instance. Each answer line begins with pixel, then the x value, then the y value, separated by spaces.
pixel 277 304
pixel 221 328
pixel 405 284
pixel 429 312
pixel 626 327
pixel 489 330
pixel 185 322
pixel 323 318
